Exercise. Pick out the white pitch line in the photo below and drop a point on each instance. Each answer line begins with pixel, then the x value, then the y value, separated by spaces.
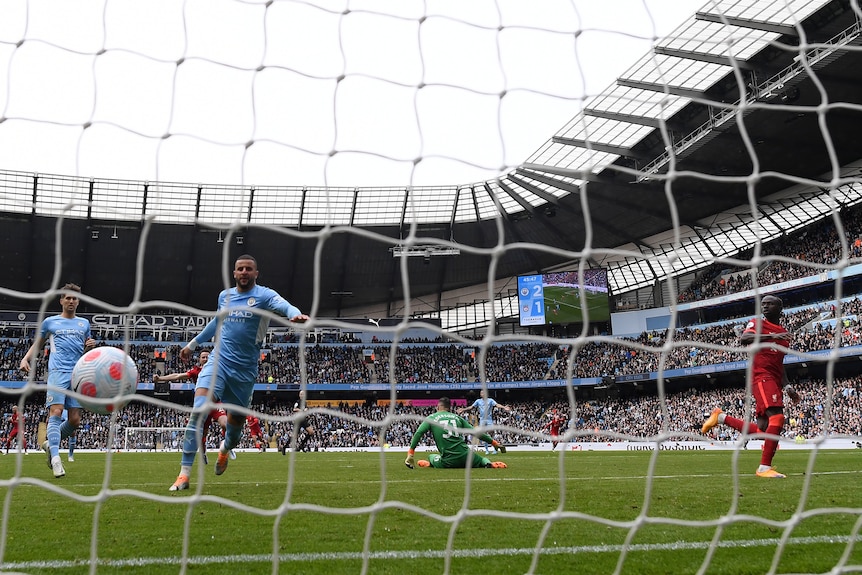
pixel 427 554
pixel 476 477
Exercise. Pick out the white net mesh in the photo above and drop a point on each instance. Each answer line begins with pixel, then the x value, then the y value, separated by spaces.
pixel 355 94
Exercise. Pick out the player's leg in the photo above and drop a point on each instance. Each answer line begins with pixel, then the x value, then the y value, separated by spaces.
pixel 203 436
pixel 719 417
pixel 774 426
pixel 232 393
pixel 233 431
pixel 222 421
pixel 434 460
pixel 306 437
pixel 479 461
pixel 52 444
pixel 232 436
pixel 738 424
pixel 716 417
pixel 770 418
pixel 191 442
pixel 73 442
pixel 55 400
pixel 486 446
pixel 70 426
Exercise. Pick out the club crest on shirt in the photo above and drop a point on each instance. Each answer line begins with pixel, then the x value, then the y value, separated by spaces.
pixel 251 301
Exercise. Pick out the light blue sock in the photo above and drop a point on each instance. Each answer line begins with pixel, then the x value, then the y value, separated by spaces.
pixel 54 424
pixel 72 443
pixel 232 435
pixel 191 445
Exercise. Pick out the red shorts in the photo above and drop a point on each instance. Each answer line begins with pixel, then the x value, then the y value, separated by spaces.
pixel 767 393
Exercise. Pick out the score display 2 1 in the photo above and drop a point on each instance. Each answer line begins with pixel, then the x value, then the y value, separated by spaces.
pixel 531 300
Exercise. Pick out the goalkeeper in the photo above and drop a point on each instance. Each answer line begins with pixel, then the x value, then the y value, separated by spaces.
pixel 453 448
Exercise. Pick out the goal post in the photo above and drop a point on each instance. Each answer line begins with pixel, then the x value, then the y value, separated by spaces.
pixel 153 438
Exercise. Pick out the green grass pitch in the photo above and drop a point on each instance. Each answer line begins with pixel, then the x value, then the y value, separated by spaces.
pixel 549 512
pixel 567 304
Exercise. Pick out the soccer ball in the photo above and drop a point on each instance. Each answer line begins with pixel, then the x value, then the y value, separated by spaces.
pixel 104 373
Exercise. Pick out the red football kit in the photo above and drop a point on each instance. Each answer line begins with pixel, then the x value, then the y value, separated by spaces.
pixel 767 368
pixel 254 426
pixel 17 424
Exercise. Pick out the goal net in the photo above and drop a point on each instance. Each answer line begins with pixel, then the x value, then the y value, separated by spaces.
pixel 308 121
pixel 153 438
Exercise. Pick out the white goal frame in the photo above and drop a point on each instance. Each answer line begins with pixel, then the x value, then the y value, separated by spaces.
pixel 130 431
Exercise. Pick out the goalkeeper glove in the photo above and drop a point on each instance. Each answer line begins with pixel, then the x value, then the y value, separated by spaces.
pixel 410 459
pixel 498 446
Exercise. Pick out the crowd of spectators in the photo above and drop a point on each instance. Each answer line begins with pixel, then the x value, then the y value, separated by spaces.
pixel 823 411
pixel 815 328
pixel 815 247
pixel 344 359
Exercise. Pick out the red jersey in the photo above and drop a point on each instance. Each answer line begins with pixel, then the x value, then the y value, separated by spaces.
pixel 253 425
pixel 555 424
pixel 768 363
pixel 17 421
pixel 192 374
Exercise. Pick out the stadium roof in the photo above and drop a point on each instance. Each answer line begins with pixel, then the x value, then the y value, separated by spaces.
pixel 751 102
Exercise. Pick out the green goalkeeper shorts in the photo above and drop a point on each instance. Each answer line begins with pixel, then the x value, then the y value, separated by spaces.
pixel 459 462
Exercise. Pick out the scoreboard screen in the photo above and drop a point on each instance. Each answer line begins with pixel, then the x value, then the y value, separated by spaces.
pixel 556 298
pixel 531 300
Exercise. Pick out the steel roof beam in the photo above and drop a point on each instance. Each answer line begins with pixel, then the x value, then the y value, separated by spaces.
pixel 599 147
pixel 628 118
pixel 761 25
pixel 662 88
pixel 702 57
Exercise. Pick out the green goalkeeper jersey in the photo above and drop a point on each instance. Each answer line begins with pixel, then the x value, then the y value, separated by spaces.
pixel 452 445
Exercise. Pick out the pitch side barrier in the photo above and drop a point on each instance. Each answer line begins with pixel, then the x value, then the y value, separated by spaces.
pixel 836 443
pixel 705 445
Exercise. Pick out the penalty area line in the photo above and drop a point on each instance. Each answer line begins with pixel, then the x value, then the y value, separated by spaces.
pixel 426 554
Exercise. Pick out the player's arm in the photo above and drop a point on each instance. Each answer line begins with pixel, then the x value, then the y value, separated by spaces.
pixel 206 335
pixel 89 342
pixel 791 393
pixel 750 335
pixel 424 427
pixel 28 357
pixel 170 377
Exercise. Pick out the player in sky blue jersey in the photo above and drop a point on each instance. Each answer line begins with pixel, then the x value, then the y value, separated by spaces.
pixel 69 338
pixel 232 367
pixel 485 406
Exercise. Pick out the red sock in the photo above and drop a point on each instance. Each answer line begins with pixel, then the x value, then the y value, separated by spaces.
pixel 204 431
pixel 770 446
pixel 738 424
